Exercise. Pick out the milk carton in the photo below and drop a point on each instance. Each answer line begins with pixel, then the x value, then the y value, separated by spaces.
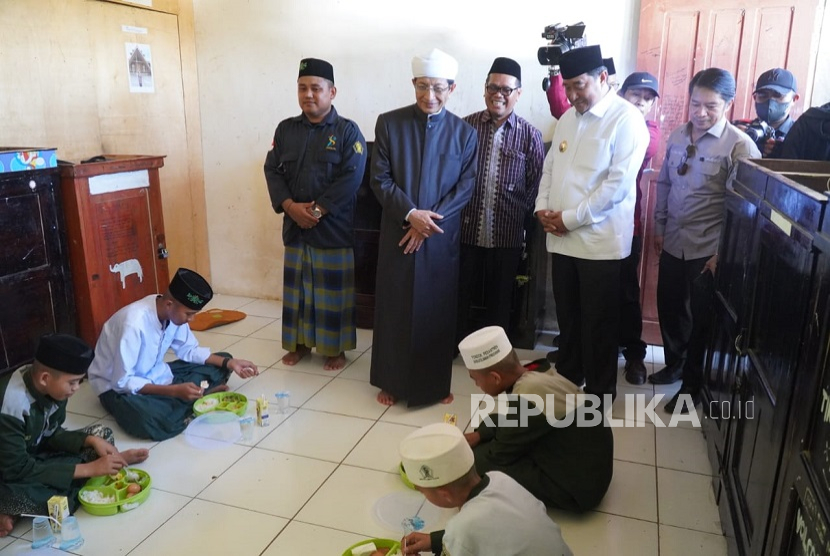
pixel 262 411
pixel 58 509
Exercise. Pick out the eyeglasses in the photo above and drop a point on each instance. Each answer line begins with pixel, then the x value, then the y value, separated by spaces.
pixel 684 166
pixel 506 91
pixel 437 89
pixel 766 94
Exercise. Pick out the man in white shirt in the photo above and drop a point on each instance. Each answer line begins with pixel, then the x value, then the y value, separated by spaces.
pixel 586 205
pixel 148 397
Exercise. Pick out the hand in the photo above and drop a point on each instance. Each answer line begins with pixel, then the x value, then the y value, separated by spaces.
pixel 301 214
pixel 711 265
pixel 769 145
pixel 101 446
pixel 552 222
pixel 187 391
pixel 243 368
pixel 658 245
pixel 413 241
pixel 422 222
pixel 473 439
pixel 105 465
pixel 416 543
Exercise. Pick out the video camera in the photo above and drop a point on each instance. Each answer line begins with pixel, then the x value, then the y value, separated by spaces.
pixel 759 131
pixel 562 38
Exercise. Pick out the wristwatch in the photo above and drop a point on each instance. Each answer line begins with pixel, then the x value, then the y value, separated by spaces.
pixel 316 212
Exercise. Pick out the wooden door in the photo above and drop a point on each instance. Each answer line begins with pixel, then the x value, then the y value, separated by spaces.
pixel 679 38
pixel 35 288
pixel 787 220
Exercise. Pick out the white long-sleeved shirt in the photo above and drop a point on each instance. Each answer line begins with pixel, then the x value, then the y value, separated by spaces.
pixel 130 351
pixel 590 174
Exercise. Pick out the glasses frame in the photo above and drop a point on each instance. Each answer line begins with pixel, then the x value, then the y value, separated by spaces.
pixel 493 89
pixel 691 149
pixel 437 89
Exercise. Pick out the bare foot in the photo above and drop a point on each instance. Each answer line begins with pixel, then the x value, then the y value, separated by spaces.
pixel 335 363
pixel 136 455
pixel 385 398
pixel 448 399
pixel 218 388
pixel 293 357
pixel 6 524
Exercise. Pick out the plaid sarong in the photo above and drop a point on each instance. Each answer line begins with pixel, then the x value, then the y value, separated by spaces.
pixel 318 308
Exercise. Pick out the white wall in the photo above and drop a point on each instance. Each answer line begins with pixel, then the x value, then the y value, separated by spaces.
pixel 248 56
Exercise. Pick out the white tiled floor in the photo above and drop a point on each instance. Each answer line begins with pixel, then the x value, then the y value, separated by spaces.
pixel 308 483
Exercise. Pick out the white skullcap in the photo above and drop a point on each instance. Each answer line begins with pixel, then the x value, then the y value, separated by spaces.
pixel 436 455
pixel 484 348
pixel 437 64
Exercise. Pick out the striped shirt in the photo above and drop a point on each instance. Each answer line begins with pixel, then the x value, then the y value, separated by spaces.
pixel 510 160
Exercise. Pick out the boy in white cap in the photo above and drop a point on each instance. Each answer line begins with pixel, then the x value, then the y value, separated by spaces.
pixel 148 397
pixel 567 467
pixel 439 462
pixel 423 174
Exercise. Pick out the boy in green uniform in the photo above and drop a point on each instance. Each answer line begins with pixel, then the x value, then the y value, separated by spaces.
pixel 567 467
pixel 38 457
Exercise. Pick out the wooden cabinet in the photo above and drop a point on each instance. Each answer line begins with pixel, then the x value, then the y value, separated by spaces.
pixel 35 284
pixel 116 235
pixel 761 346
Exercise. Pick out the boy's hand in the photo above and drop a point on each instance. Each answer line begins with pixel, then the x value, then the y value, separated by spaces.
pixel 243 368
pixel 101 446
pixel 416 543
pixel 187 391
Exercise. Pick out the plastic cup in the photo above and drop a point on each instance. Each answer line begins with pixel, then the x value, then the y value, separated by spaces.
pixel 42 532
pixel 70 534
pixel 246 423
pixel 283 401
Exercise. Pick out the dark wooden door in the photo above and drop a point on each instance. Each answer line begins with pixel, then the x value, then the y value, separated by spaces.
pixel 35 287
pixel 787 220
pixel 734 283
pixel 677 39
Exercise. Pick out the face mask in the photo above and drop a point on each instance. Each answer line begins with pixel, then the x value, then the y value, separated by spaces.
pixel 772 110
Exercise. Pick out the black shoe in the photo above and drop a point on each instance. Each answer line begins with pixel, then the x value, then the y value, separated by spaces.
pixel 666 375
pixel 635 372
pixel 693 394
pixel 552 356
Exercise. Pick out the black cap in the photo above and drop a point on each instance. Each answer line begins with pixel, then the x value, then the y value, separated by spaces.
pixel 190 289
pixel 580 60
pixel 609 65
pixel 640 80
pixel 778 79
pixel 316 68
pixel 64 353
pixel 506 66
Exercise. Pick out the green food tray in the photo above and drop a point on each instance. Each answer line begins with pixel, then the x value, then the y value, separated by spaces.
pixel 225 401
pixel 109 486
pixel 380 543
pixel 404 478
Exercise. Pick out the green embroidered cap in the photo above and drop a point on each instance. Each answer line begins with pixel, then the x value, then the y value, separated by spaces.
pixel 190 289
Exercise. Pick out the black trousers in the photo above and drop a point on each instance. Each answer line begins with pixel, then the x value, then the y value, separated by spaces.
pixel 587 296
pixel 684 307
pixel 631 313
pixel 497 267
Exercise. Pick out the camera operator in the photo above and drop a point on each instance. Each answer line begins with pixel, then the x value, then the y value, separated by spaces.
pixel 809 138
pixel 775 93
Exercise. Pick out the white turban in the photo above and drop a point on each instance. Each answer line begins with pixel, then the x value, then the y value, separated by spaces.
pixel 436 64
pixel 436 455
pixel 484 348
